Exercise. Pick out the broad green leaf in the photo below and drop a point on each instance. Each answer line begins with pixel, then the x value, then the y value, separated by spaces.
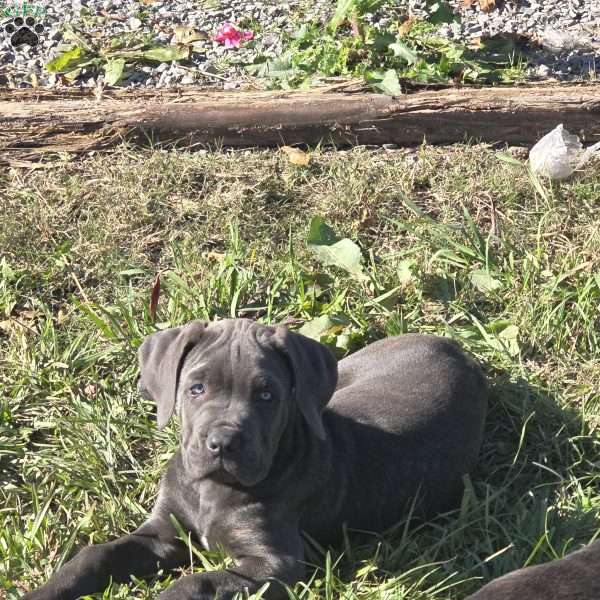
pixel 382 41
pixel 402 51
pixel 276 67
pixel 167 53
pixel 113 70
pixel 320 233
pixel 157 54
pixel 509 340
pixel 324 325
pixel 66 60
pixel 483 281
pixel 330 250
pixel 390 84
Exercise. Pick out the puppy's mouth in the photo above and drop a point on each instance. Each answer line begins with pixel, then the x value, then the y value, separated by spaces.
pixel 223 475
pixel 229 471
pixel 226 470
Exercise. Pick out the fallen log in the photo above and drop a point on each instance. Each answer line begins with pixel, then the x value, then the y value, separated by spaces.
pixel 36 122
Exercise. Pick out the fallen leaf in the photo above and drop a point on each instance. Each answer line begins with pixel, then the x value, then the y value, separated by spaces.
pixel 216 256
pixel 296 156
pixel 154 297
pixel 187 35
pixel 27 315
pixel 70 76
pixel 406 26
pixel 487 5
pixel 467 3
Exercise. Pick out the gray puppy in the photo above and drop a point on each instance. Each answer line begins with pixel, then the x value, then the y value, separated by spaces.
pixel 575 577
pixel 262 458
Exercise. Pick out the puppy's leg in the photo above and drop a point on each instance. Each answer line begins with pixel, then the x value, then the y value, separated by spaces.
pixel 151 547
pixel 281 561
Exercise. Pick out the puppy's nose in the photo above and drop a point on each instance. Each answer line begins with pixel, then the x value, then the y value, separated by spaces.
pixel 223 441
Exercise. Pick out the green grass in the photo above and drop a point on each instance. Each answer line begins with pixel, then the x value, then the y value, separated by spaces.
pixel 456 241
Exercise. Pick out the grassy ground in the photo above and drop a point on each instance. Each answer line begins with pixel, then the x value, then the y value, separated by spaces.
pixel 456 241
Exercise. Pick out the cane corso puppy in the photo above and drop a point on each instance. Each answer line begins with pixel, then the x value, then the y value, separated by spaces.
pixel 575 577
pixel 276 439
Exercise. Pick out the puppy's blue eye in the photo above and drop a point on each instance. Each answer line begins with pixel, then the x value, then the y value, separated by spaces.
pixel 265 396
pixel 197 389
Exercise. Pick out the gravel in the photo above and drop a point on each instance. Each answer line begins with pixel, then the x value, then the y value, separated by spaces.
pixel 568 29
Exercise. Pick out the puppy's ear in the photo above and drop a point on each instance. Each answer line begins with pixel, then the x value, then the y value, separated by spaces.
pixel 161 357
pixel 314 370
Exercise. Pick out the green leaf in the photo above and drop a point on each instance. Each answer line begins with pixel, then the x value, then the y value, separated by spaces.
pixel 441 12
pixel 73 74
pixel 342 11
pixel 320 233
pixel 113 70
pixel 511 160
pixel 382 40
pixel 483 281
pixel 324 325
pixel 508 340
pixel 66 60
pixel 330 250
pixel 390 84
pixel 276 67
pixel 157 54
pixel 167 53
pixel 402 51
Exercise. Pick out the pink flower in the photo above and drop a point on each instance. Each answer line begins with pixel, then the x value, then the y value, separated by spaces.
pixel 230 36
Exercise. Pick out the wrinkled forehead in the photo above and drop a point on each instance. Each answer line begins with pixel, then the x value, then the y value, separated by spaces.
pixel 237 354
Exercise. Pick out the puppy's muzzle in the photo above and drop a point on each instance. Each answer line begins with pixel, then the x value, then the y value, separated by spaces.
pixel 224 441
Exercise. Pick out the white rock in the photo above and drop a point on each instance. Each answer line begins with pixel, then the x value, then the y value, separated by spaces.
pixel 134 23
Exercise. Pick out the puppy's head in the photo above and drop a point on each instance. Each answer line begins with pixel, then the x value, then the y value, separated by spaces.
pixel 236 385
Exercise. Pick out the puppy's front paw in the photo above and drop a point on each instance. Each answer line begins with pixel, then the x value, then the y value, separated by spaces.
pixel 184 590
pixel 42 593
pixel 195 587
